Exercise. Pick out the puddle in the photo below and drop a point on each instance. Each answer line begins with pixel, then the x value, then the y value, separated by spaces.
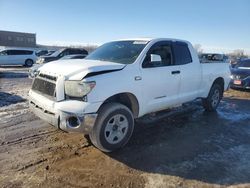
pixel 8 99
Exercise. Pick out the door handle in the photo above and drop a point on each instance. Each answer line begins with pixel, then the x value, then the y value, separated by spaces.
pixel 137 78
pixel 176 72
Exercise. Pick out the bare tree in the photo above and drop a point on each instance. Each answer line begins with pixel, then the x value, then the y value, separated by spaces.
pixel 238 54
pixel 198 49
pixel 88 47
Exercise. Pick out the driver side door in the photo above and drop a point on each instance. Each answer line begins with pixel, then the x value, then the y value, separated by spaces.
pixel 160 80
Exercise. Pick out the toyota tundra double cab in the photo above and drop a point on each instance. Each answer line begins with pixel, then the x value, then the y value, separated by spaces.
pixel 103 94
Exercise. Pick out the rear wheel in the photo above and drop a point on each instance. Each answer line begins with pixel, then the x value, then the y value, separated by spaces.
pixel 29 63
pixel 215 95
pixel 113 128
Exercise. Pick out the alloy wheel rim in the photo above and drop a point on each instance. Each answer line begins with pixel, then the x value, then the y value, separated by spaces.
pixel 215 97
pixel 29 62
pixel 116 129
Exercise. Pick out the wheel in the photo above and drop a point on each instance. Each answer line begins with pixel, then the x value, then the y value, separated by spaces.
pixel 29 62
pixel 215 95
pixel 113 128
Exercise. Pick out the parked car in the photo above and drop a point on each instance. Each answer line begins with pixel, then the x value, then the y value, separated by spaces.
pixel 33 71
pixel 50 52
pixel 241 75
pixel 75 56
pixel 214 58
pixel 61 53
pixel 120 81
pixel 14 56
pixel 41 52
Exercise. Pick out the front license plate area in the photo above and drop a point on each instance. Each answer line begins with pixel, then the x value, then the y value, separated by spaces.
pixel 237 82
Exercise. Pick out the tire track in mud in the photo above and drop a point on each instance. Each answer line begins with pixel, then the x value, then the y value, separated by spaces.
pixel 55 155
pixel 28 138
pixel 16 122
pixel 32 164
pixel 14 108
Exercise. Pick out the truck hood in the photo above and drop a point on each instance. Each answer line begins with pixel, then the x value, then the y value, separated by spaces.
pixel 77 69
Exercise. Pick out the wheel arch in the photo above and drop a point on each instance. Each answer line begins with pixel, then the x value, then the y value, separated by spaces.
pixel 219 81
pixel 127 99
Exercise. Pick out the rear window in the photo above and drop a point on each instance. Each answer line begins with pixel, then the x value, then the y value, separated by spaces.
pixel 181 53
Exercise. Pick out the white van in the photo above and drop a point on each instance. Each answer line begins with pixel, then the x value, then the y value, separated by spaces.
pixel 17 56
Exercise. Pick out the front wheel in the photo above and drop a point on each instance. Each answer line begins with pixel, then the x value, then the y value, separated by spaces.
pixel 212 101
pixel 113 128
pixel 28 63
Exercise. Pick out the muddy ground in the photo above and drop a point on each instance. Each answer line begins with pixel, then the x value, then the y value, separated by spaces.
pixel 190 148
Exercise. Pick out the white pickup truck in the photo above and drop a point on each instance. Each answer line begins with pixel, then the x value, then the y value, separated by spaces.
pixel 123 80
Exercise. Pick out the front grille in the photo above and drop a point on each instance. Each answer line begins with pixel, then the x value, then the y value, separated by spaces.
pixel 44 87
pixel 49 77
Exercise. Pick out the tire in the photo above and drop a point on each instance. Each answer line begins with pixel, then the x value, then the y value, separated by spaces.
pixel 29 63
pixel 113 128
pixel 212 101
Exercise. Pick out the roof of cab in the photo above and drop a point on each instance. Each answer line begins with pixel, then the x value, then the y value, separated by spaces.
pixel 152 39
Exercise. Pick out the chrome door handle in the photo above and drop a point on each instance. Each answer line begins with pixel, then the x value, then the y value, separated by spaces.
pixel 137 78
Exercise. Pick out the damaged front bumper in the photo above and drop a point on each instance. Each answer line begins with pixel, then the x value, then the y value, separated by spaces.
pixel 68 116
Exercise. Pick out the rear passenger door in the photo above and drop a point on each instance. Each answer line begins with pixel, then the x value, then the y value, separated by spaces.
pixel 160 80
pixel 190 72
pixel 24 55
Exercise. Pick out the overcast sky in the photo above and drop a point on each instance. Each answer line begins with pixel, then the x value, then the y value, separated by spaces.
pixel 218 25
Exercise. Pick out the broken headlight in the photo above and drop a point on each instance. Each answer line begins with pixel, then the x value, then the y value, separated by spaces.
pixel 78 88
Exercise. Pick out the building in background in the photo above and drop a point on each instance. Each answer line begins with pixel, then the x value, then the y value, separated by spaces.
pixel 17 39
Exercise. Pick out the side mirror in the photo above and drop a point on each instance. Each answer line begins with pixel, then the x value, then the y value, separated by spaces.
pixel 155 58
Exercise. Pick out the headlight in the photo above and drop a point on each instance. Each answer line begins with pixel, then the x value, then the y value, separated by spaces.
pixel 78 88
pixel 231 76
pixel 40 60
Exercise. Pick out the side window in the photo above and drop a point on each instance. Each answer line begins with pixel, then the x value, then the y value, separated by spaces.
pixel 24 52
pixel 67 52
pixel 12 52
pixel 4 52
pixel 19 52
pixel 82 51
pixel 28 52
pixel 75 51
pixel 64 53
pixel 163 52
pixel 181 53
pixel 85 52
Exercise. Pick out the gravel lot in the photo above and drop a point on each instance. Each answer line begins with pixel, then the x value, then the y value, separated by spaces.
pixel 190 148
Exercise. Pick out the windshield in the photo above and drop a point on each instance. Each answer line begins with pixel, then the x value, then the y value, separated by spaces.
pixel 245 63
pixel 56 53
pixel 124 52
